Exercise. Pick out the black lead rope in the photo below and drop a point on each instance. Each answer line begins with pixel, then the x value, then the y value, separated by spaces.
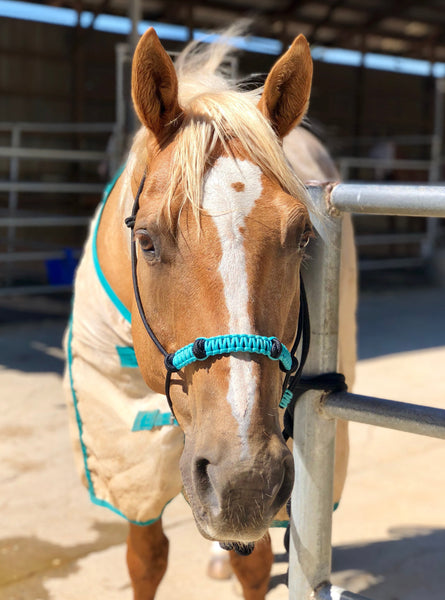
pixel 304 336
pixel 298 385
pixel 327 382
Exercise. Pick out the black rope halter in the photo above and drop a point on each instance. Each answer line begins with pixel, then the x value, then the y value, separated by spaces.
pixel 199 350
pixel 293 384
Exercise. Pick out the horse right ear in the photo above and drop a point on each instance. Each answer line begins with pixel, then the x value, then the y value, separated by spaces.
pixel 287 88
pixel 154 85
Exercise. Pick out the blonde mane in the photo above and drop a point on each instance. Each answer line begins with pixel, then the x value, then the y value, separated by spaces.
pixel 217 110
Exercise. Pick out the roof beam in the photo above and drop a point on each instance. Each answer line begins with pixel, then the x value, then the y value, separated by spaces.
pixel 326 19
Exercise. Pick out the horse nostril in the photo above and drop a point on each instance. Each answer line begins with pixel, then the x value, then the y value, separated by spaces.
pixel 202 476
pixel 204 485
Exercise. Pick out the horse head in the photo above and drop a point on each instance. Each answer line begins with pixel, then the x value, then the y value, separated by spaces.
pixel 220 232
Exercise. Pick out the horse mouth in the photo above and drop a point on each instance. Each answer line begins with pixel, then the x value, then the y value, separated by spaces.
pixel 240 514
pixel 227 534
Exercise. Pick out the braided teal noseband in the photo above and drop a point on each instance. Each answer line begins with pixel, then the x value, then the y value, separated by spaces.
pixel 203 348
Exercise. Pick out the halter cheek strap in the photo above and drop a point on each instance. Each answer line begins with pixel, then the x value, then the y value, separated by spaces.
pixel 203 348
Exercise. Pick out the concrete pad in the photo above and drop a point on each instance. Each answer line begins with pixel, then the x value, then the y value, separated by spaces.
pixel 389 532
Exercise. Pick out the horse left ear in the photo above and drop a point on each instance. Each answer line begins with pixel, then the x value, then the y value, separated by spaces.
pixel 287 88
pixel 154 85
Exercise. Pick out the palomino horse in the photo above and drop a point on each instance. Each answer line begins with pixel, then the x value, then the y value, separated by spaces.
pixel 192 302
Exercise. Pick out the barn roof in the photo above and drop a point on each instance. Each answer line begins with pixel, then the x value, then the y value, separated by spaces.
pixel 407 28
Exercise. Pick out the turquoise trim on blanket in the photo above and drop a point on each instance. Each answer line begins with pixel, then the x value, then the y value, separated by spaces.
pixel 94 499
pixel 147 420
pixel 127 356
pixel 276 523
pixel 123 310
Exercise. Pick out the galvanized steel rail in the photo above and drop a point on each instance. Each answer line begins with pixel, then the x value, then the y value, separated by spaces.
pixel 402 200
pixel 411 418
pixel 315 412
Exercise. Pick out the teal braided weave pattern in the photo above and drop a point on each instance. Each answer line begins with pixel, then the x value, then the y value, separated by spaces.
pixel 228 344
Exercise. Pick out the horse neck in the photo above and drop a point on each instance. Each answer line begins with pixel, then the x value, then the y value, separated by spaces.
pixel 308 157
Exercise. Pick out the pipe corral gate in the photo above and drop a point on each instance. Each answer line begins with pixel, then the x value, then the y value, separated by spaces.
pixel 316 411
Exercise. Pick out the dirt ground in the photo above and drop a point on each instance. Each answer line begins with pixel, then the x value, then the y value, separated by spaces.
pixel 389 532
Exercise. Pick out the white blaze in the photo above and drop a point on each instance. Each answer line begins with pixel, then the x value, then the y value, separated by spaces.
pixel 230 191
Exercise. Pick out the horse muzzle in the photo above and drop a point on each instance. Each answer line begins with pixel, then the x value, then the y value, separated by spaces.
pixel 236 500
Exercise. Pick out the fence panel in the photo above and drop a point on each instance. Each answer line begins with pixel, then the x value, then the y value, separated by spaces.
pixel 17 189
pixel 314 425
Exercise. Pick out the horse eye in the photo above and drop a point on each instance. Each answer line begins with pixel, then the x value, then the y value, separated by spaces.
pixel 145 242
pixel 305 239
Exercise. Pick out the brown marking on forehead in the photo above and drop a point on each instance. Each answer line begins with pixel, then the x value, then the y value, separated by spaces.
pixel 238 186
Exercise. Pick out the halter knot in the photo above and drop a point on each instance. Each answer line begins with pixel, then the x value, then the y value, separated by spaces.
pixel 276 348
pixel 198 349
pixel 130 221
pixel 168 362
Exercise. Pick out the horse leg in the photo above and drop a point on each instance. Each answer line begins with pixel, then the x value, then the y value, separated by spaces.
pixel 147 552
pixel 253 571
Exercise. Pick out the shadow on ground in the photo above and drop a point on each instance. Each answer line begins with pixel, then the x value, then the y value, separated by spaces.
pixel 31 332
pixel 401 321
pixel 410 566
pixel 33 347
pixel 27 561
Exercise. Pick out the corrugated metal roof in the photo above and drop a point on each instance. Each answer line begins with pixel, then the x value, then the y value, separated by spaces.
pixel 400 27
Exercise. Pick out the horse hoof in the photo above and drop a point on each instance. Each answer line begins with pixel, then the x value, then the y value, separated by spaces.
pixel 219 567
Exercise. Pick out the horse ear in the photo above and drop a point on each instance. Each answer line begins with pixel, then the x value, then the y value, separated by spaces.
pixel 154 85
pixel 287 88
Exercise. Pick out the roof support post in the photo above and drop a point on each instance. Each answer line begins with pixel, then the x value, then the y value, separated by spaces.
pixel 135 14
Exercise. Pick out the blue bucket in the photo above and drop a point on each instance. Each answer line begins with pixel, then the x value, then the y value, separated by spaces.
pixel 60 271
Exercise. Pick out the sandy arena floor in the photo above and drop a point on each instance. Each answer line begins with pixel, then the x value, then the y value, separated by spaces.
pixel 389 532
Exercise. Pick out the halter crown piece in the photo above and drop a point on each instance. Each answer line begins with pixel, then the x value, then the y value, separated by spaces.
pixel 202 348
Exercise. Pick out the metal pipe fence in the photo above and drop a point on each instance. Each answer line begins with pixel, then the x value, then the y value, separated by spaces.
pixel 432 168
pixel 20 149
pixel 411 418
pixel 315 412
pixel 15 187
pixel 346 163
pixel 387 199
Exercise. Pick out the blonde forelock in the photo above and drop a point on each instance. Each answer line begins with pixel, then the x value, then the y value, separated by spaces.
pixel 217 112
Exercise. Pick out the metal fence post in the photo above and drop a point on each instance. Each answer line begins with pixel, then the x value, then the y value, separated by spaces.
pixel 435 170
pixel 314 430
pixel 314 434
